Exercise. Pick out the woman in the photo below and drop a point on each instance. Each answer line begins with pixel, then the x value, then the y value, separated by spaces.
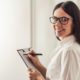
pixel 65 65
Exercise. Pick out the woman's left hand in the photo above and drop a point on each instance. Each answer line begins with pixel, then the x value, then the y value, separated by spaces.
pixel 35 75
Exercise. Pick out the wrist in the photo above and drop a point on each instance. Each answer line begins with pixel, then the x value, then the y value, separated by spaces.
pixel 39 65
pixel 42 69
pixel 40 77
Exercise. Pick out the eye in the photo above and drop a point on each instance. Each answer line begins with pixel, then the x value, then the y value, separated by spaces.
pixel 64 19
pixel 55 19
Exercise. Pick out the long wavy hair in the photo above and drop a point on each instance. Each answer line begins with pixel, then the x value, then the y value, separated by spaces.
pixel 71 9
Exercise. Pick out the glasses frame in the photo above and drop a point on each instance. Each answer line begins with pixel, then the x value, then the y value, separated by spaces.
pixel 59 19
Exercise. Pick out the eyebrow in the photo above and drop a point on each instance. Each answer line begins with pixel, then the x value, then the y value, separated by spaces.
pixel 62 16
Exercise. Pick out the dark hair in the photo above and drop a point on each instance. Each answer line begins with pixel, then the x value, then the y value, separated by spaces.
pixel 71 9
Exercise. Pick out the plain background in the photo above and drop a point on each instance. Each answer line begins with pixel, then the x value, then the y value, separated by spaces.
pixel 14 34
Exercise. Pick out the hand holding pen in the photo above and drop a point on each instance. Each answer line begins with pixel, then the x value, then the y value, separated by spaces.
pixel 33 56
pixel 36 54
pixel 31 52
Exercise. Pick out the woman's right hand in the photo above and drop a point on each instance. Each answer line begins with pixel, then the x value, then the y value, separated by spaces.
pixel 34 59
pixel 36 62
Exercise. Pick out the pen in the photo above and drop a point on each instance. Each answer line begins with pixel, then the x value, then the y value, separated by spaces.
pixel 33 54
pixel 37 54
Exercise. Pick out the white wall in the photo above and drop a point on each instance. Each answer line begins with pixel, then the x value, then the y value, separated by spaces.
pixel 14 34
pixel 43 35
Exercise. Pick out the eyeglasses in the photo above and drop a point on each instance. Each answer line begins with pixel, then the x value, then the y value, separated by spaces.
pixel 63 20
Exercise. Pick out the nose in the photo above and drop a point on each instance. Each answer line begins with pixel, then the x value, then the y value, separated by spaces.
pixel 57 25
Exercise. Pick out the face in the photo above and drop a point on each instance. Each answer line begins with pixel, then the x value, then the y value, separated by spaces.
pixel 62 23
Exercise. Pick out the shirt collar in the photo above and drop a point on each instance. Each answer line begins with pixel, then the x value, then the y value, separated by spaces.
pixel 67 41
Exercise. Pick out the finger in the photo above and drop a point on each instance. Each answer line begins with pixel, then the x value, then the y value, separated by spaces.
pixel 31 50
pixel 29 69
pixel 30 78
pixel 31 57
pixel 34 59
pixel 31 75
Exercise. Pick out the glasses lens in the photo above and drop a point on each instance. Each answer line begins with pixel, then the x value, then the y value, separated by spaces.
pixel 53 20
pixel 63 20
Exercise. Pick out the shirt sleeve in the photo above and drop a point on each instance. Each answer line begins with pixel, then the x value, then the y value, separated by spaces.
pixel 69 65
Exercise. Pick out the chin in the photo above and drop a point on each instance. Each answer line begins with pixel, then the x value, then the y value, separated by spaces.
pixel 60 37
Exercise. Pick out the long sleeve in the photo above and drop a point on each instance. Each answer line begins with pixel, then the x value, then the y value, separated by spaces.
pixel 65 64
pixel 69 65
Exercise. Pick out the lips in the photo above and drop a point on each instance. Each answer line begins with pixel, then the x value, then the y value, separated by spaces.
pixel 61 30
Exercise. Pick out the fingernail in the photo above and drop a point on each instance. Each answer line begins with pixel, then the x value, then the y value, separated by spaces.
pixel 29 55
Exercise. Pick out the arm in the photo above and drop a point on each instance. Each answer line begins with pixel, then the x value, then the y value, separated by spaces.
pixel 65 61
pixel 36 62
pixel 69 66
pixel 42 69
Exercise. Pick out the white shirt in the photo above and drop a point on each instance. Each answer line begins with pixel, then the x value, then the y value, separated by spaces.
pixel 65 64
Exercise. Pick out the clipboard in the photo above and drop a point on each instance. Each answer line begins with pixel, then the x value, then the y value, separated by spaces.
pixel 25 59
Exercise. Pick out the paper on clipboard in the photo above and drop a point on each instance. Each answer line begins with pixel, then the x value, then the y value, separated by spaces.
pixel 25 58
